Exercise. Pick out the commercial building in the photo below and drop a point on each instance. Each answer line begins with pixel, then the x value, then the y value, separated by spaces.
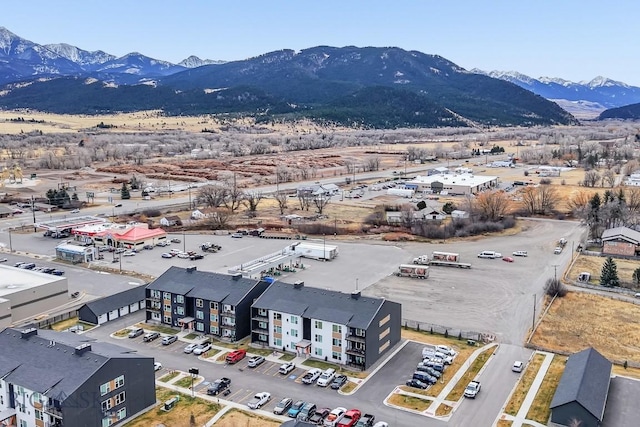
pixel 620 241
pixel 130 236
pixel 114 306
pixel 453 184
pixel 211 303
pixel 347 329
pixel 55 379
pixel 76 253
pixel 24 294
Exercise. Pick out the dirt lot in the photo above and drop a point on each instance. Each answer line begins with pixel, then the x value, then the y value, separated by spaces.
pixel 580 320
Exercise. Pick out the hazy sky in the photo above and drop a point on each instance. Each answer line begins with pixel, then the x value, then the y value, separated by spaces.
pixel 574 40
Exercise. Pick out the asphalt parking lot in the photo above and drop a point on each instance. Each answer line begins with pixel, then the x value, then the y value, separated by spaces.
pixel 622 408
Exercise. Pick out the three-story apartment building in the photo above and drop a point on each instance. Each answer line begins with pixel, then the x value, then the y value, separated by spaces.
pixel 341 328
pixel 50 379
pixel 209 303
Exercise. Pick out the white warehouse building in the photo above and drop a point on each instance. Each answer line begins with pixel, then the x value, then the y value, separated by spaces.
pixel 454 184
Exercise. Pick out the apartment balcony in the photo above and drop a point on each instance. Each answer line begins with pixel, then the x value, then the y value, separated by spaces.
pixel 53 411
pixel 55 423
pixel 260 318
pixel 258 330
pixel 151 307
pixel 355 351
pixel 355 338
pixel 228 313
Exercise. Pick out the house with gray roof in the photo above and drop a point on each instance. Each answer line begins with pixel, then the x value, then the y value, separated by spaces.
pixel 50 378
pixel 114 306
pixel 348 329
pixel 582 392
pixel 621 241
pixel 211 303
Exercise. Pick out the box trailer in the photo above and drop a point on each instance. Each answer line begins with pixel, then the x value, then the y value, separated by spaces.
pixel 410 270
pixel 318 250
pixel 443 259
pixel 402 192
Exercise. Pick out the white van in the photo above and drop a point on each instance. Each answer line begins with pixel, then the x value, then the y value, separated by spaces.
pixel 489 254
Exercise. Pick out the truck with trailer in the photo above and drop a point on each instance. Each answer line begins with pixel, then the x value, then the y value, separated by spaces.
pixel 314 250
pixel 411 270
pixel 444 259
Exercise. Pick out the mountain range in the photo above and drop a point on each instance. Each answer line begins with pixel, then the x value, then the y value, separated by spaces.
pixel 370 87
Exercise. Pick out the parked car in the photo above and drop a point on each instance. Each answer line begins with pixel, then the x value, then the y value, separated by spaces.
pixel 518 366
pixel 507 259
pixel 311 376
pixel 259 400
pixel 157 366
pixel 218 386
pixel 295 408
pixel 489 254
pixel 235 356
pixel 237 235
pixel 175 240
pixel 283 406
pixel 327 377
pixel 75 211
pixel 136 332
pixel 381 424
pixel 119 205
pixel 446 350
pixel 189 349
pixel 520 253
pixel 28 266
pixel 255 361
pixel 3 260
pixel 120 250
pixel 306 412
pixel 148 247
pixel 319 416
pixel 333 416
pixel 557 250
pixel 167 255
pixel 150 336
pixel 285 368
pixel 169 339
pixel 349 418
pixel 162 243
pixel 202 348
pixel 417 384
pixel 57 272
pixel 366 420
pixel 338 381
pixel 195 257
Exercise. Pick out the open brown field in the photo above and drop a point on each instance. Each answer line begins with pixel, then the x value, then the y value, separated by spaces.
pixel 539 410
pixel 237 418
pixel 581 320
pixel 593 265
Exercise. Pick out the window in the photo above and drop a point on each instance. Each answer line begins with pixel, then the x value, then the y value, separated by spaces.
pixel 262 337
pixel 262 312
pixel 155 294
pixel 119 381
pixel 337 328
pixel 318 338
pixel 166 295
pixel 277 316
pixel 119 398
pixel 384 320
pixel 39 415
pixel 318 324
pixel 106 422
pixel 277 342
pixel 294 320
pixel 213 305
pixel 277 329
pixel 318 351
pixel 214 330
pixel 294 332
pixel 199 303
pixel 166 307
pixel 263 325
pixel 167 319
pixel 23 423
pixel 199 314
pixel 213 317
pixel 336 356
pixel 36 397
pixel 106 405
pixel 105 388
pixel 337 342
pixel 180 310
pixel 199 326
pixel 122 413
pixel 180 299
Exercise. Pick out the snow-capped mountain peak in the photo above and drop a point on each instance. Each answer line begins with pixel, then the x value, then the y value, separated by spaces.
pixel 193 62
pixel 600 81
pixel 80 56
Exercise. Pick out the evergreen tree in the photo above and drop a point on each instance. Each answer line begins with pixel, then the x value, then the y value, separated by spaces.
pixel 609 275
pixel 124 192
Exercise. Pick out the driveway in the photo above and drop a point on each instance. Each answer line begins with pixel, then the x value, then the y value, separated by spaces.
pixel 622 409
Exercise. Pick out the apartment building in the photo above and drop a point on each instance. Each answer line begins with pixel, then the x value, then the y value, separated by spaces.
pixel 206 302
pixel 347 329
pixel 50 379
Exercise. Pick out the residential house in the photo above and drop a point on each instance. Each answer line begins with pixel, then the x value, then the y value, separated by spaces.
pixel 50 378
pixel 316 190
pixel 582 392
pixel 633 180
pixel 170 221
pixel 458 214
pixel 347 329
pixel 210 303
pixel 620 241
pixel 114 306
pixel 429 214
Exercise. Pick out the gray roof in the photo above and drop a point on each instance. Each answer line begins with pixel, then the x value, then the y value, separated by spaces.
pixel 207 285
pixel 116 301
pixel 622 232
pixel 585 380
pixel 45 362
pixel 320 304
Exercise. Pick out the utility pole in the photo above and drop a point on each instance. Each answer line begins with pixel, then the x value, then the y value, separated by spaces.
pixel 33 209
pixel 10 245
pixel 533 325
pixel 555 271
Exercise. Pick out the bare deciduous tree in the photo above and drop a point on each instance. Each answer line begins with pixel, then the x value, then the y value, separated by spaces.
pixel 282 199
pixel 578 201
pixel 492 205
pixel 539 200
pixel 212 195
pixel 321 201
pixel 219 219
pixel 608 178
pixel 591 178
pixel 252 199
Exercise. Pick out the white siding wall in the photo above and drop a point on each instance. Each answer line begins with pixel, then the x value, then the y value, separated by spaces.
pixel 291 331
pixel 102 319
pixel 320 339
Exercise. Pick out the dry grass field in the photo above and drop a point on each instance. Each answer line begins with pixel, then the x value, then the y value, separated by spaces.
pixel 539 410
pixel 524 385
pixel 593 265
pixel 581 320
pixel 237 418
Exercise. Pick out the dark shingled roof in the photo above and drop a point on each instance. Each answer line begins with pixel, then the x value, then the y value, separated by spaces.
pixel 320 304
pixel 45 362
pixel 116 301
pixel 207 285
pixel 585 380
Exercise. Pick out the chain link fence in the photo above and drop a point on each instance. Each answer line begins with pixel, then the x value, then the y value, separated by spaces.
pixel 482 337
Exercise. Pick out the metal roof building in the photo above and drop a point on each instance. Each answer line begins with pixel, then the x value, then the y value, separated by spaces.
pixel 113 306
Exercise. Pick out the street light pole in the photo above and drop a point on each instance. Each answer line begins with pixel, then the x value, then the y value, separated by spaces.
pixel 324 247
pixel 533 325
pixel 10 245
pixel 33 209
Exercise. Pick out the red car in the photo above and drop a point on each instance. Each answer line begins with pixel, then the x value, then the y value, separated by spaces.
pixel 507 259
pixel 235 356
pixel 349 418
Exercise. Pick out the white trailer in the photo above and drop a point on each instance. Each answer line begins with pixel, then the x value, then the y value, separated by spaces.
pixel 402 192
pixel 315 250
pixel 443 259
pixel 410 270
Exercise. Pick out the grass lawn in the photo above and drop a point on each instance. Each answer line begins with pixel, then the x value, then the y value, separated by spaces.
pixel 524 385
pixel 73 321
pixel 180 415
pixel 471 373
pixel 169 377
pixel 287 357
pixel 211 353
pixel 348 387
pixel 191 336
pixel 539 410
pixel 186 382
pixel 580 320
pixel 593 265
pixel 443 410
pixel 414 390
pixel 410 402
pixel 236 418
pixel 504 423
pixel 122 332
pixel 158 328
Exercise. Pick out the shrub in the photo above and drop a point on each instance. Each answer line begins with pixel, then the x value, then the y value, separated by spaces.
pixel 554 287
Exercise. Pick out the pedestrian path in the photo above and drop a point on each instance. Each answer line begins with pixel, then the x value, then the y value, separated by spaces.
pixel 521 417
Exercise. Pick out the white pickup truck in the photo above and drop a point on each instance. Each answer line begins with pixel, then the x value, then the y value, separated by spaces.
pixel 472 389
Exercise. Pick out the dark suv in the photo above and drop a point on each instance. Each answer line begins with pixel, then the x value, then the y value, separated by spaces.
pixel 218 386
